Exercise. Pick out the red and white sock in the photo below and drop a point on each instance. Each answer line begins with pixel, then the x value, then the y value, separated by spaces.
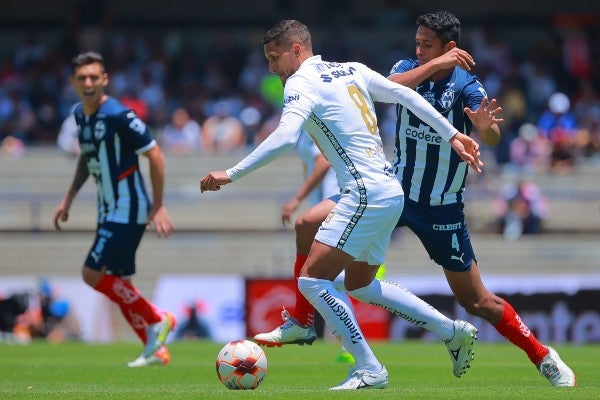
pixel 132 304
pixel 512 328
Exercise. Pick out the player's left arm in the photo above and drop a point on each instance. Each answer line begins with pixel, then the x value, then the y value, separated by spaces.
pixel 319 171
pixel 483 113
pixel 158 216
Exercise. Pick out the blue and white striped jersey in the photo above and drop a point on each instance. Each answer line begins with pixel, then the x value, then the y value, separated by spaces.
pixel 111 140
pixel 431 173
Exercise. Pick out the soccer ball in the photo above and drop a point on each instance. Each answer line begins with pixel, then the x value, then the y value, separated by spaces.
pixel 241 364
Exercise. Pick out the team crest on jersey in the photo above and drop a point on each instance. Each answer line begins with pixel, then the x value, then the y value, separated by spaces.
pixel 447 98
pixel 99 130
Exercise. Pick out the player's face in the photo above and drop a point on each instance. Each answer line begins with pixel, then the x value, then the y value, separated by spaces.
pixel 89 82
pixel 282 60
pixel 428 45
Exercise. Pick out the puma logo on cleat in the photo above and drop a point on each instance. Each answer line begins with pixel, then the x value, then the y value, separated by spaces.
pixel 363 384
pixel 455 353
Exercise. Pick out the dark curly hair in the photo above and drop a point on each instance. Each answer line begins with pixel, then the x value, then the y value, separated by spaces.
pixel 443 23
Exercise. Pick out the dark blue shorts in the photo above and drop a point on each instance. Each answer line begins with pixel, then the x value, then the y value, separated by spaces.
pixel 114 247
pixel 443 232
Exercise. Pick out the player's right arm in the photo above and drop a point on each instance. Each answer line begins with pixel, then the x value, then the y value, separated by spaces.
pixel 452 58
pixel 284 138
pixel 81 175
pixel 384 90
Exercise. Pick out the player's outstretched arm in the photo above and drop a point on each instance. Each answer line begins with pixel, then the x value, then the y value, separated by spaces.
pixel 486 119
pixel 213 181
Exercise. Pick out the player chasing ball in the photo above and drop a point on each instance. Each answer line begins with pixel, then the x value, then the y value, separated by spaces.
pixel 333 102
pixel 434 180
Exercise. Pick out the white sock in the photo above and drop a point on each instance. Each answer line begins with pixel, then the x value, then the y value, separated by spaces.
pixel 340 318
pixel 401 302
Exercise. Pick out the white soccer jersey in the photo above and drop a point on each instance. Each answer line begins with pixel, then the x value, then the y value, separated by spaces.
pixel 334 103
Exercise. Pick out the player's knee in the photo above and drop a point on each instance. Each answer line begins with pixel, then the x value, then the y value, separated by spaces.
pixel 90 276
pixel 482 306
pixel 306 227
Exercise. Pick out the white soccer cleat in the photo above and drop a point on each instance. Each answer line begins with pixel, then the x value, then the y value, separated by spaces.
pixel 290 332
pixel 160 357
pixel 460 347
pixel 362 379
pixel 157 334
pixel 555 370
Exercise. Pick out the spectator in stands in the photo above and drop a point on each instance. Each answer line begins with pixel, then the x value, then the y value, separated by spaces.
pixel 559 126
pixel 521 209
pixel 529 151
pixel 182 134
pixel 11 308
pixel 586 107
pixel 53 318
pixel 223 131
pixel 193 326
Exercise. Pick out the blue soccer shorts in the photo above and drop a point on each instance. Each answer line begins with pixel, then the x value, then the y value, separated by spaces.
pixel 114 247
pixel 443 232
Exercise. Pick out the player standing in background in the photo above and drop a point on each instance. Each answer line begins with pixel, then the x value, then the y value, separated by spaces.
pixel 333 102
pixel 433 178
pixel 111 137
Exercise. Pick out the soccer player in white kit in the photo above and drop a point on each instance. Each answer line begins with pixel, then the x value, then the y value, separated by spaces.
pixel 333 102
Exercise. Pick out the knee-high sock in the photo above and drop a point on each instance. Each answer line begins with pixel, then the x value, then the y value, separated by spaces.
pixel 304 312
pixel 136 322
pixel 511 327
pixel 400 301
pixel 132 303
pixel 340 318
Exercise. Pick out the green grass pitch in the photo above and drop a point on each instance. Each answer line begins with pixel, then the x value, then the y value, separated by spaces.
pixel 418 370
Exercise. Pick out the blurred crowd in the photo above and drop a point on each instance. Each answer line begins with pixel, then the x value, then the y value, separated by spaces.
pixel 219 101
pixel 224 99
pixel 37 314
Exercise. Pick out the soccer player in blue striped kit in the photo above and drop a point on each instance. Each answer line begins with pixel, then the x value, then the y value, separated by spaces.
pixel 111 137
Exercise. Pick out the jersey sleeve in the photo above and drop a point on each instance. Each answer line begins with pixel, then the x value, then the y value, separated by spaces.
pixel 299 96
pixel 135 132
pixel 473 93
pixel 386 91
pixel 283 138
pixel 403 66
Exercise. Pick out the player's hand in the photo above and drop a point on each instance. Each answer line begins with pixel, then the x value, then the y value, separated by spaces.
pixel 61 214
pixel 213 181
pixel 455 58
pixel 160 221
pixel 288 209
pixel 468 150
pixel 486 115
